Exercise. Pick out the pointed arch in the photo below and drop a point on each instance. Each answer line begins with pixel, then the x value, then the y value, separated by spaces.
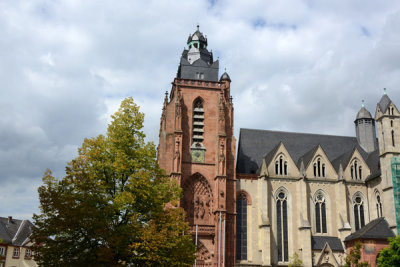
pixel 320 201
pixel 378 201
pixel 198 199
pixel 242 201
pixel 359 213
pixel 282 234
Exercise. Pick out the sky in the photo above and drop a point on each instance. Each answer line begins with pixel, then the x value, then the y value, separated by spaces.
pixel 65 65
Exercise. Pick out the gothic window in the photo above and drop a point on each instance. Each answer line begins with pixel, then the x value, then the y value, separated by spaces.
pixel 391 123
pixel 379 205
pixel 198 123
pixel 281 167
pixel 320 213
pixel 319 168
pixel 355 170
pixel 241 227
pixel 358 208
pixel 393 144
pixel 282 226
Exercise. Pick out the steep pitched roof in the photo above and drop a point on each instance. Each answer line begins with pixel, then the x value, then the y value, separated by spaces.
pixel 15 232
pixel 254 144
pixel 307 157
pixel 384 103
pixel 318 242
pixel 375 229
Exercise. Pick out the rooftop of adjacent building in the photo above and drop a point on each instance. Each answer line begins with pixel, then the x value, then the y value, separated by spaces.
pixel 15 232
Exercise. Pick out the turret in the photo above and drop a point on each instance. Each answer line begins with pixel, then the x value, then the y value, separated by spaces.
pixel 365 130
pixel 197 63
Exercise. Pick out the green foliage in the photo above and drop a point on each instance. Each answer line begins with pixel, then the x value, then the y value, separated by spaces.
pixel 390 256
pixel 110 208
pixel 353 259
pixel 295 261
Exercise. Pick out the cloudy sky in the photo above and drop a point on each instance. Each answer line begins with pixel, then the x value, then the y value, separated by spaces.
pixel 65 65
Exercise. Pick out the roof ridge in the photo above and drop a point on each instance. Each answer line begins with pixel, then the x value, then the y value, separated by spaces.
pixel 277 131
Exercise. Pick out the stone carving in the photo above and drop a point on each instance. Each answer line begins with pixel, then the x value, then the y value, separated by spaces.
pixel 178 110
pixel 198 200
pixel 177 154
pixel 221 166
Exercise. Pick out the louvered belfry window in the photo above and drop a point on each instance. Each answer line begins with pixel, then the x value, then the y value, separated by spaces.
pixel 198 122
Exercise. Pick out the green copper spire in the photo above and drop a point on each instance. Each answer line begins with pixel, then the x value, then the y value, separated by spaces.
pixel 384 91
pixel 362 103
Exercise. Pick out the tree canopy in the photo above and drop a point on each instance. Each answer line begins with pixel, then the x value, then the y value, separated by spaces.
pixel 390 256
pixel 110 208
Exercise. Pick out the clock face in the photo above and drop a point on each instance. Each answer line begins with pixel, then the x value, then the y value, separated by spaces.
pixel 197 155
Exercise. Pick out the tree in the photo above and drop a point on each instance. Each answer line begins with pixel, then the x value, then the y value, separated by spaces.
pixel 390 256
pixel 353 259
pixel 110 208
pixel 295 261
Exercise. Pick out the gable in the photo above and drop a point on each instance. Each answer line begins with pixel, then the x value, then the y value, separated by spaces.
pixel 319 166
pixel 279 163
pixel 353 167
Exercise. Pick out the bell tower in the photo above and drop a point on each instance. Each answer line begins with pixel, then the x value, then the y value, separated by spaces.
pixel 197 148
pixel 387 117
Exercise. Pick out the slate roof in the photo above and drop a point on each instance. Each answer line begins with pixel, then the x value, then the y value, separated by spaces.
pixel 16 232
pixel 375 229
pixel 384 103
pixel 255 144
pixel 318 243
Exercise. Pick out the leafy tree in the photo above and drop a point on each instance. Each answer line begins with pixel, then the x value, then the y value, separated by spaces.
pixel 295 261
pixel 390 256
pixel 353 259
pixel 110 208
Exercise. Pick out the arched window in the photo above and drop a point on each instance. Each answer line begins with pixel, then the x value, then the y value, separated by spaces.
pixel 198 123
pixel 241 227
pixel 320 213
pixel 281 166
pixel 358 208
pixel 355 170
pixel 319 168
pixel 282 226
pixel 378 205
pixel 391 123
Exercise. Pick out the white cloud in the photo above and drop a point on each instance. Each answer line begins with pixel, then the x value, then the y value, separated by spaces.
pixel 295 65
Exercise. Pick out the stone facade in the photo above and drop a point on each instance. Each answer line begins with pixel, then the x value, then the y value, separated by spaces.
pixel 305 193
pixel 197 148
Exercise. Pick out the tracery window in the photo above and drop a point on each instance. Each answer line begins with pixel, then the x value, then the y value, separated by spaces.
pixel 320 212
pixel 198 122
pixel 282 226
pixel 319 168
pixel 379 206
pixel 358 208
pixel 241 227
pixel 281 166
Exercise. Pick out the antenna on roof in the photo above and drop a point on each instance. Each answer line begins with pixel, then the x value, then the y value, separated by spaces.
pixel 362 103
pixel 384 91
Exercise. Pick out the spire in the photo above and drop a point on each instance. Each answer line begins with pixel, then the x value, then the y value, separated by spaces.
pixel 362 103
pixel 384 91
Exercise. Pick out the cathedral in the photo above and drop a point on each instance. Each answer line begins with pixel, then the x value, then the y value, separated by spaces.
pixel 287 194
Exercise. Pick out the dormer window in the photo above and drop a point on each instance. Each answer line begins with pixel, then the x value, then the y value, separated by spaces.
pixel 319 168
pixel 281 166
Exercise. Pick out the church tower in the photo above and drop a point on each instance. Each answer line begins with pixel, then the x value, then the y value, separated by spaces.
pixel 387 117
pixel 365 130
pixel 197 148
